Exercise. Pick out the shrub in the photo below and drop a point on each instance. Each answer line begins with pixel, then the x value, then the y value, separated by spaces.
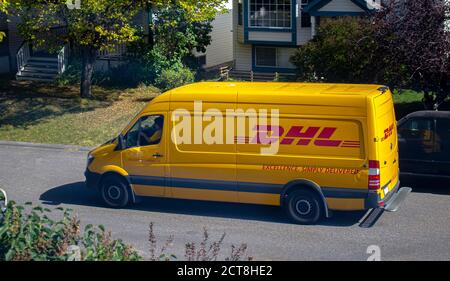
pixel 130 73
pixel 203 251
pixel 33 235
pixel 71 76
pixel 344 50
pixel 174 77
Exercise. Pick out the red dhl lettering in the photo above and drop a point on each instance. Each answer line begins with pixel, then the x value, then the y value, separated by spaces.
pixel 298 135
pixel 388 132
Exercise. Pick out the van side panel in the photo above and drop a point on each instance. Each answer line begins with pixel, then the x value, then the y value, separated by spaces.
pixel 202 171
pixel 327 149
pixel 386 144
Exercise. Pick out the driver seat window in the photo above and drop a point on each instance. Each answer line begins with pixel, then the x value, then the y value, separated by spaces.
pixel 147 131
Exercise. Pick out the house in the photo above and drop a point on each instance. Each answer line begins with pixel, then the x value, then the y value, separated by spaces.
pixel 266 33
pixel 220 51
pixel 21 58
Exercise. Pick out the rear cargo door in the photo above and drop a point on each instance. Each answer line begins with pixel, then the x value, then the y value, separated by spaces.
pixel 386 144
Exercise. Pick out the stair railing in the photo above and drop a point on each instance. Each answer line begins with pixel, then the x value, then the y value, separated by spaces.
pixel 22 56
pixel 63 59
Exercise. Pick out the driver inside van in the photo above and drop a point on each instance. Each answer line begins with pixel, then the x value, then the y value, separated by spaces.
pixel 151 131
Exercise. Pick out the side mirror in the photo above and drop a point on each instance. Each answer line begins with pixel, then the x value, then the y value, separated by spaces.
pixel 3 200
pixel 120 142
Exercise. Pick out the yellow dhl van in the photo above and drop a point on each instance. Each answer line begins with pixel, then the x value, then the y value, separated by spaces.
pixel 334 147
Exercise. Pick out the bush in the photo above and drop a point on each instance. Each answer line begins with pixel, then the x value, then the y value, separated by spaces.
pixel 130 73
pixel 34 236
pixel 344 50
pixel 174 77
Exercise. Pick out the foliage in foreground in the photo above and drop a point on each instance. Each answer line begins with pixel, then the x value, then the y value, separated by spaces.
pixel 206 250
pixel 33 235
pixel 28 233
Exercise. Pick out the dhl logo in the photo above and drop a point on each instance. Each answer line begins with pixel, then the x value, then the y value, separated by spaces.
pixel 388 132
pixel 297 135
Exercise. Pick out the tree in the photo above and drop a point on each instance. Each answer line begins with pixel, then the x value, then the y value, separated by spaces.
pixel 344 50
pixel 97 25
pixel 3 7
pixel 415 41
pixel 176 35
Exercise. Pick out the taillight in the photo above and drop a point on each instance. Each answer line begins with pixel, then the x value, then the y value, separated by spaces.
pixel 374 175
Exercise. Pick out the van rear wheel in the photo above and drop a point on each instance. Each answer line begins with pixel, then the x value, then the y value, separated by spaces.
pixel 303 207
pixel 114 192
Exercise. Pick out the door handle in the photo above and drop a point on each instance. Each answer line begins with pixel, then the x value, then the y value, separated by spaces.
pixel 157 155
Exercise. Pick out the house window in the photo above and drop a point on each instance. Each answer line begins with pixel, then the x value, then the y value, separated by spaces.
pixel 305 17
pixel 270 13
pixel 266 56
pixel 240 14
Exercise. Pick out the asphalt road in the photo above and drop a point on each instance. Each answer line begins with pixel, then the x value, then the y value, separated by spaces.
pixel 419 230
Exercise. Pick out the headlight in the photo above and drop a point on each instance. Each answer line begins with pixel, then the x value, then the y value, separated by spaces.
pixel 90 158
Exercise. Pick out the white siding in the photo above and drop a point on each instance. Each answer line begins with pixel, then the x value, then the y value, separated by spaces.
pixel 341 6
pixel 220 50
pixel 242 56
pixel 270 36
pixel 303 33
pixel 283 56
pixel 242 53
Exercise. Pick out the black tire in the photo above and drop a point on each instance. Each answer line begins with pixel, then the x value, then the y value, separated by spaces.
pixel 115 191
pixel 304 207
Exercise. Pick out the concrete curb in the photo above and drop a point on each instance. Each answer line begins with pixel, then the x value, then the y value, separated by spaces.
pixel 47 146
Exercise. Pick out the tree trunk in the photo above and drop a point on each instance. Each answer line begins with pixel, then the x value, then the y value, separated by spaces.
pixel 428 100
pixel 88 55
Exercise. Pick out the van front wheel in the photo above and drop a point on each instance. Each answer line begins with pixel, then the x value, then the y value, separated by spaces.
pixel 303 207
pixel 114 192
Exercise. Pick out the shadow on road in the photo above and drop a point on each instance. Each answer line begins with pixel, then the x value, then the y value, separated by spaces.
pixel 77 194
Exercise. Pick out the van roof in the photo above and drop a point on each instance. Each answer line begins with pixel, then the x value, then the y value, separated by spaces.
pixel 297 88
pixel 347 97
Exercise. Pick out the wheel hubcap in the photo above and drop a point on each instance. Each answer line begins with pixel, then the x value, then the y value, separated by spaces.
pixel 303 207
pixel 114 192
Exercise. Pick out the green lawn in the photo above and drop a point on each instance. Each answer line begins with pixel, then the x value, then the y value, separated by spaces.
pixel 407 101
pixel 45 113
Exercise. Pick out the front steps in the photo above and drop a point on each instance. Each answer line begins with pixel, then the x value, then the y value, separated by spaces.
pixel 39 69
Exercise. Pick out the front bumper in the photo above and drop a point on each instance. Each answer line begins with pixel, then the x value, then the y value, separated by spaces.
pixel 92 179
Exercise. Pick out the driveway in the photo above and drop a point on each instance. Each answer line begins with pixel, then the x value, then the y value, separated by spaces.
pixel 419 230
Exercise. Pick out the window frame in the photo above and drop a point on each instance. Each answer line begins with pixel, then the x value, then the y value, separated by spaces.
pixel 249 13
pixel 139 121
pixel 266 47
